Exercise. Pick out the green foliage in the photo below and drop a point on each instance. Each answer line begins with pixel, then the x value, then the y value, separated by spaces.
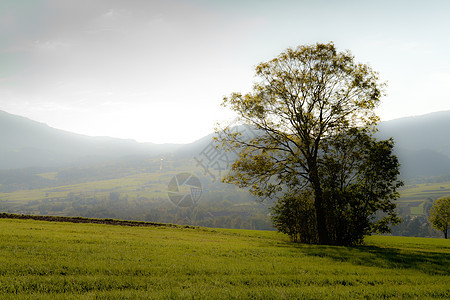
pixel 440 215
pixel 313 110
pixel 415 226
pixel 294 215
pixel 43 260
pixel 359 177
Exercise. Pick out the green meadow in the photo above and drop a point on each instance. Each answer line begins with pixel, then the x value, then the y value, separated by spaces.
pixel 41 259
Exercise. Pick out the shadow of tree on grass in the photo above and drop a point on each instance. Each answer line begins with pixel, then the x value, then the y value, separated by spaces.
pixel 432 263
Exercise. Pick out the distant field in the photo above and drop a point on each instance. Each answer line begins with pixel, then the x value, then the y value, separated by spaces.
pixel 145 184
pixel 151 187
pixel 414 197
pixel 85 261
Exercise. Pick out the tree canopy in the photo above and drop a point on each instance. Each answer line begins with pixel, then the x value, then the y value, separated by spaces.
pixel 440 215
pixel 313 111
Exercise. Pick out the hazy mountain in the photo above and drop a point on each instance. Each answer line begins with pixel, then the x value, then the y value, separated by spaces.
pixel 430 131
pixel 422 145
pixel 27 143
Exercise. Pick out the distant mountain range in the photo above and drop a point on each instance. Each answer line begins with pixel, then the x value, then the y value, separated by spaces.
pixel 422 145
pixel 27 143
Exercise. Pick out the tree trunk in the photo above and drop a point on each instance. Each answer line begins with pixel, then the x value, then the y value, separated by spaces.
pixel 321 218
pixel 322 231
pixel 445 233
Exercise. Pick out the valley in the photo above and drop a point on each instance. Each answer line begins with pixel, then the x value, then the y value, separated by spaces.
pixel 110 178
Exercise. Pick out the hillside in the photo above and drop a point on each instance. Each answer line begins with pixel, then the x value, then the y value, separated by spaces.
pixel 27 143
pixel 72 261
pixel 422 143
pixel 424 132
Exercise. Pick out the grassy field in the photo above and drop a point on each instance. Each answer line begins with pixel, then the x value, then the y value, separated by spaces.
pixel 71 261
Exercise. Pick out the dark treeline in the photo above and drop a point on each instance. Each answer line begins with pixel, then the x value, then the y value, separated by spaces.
pixel 415 226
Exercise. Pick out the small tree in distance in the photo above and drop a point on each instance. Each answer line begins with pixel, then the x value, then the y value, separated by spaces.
pixel 313 108
pixel 440 215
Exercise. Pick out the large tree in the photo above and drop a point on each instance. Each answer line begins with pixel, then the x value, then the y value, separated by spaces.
pixel 307 100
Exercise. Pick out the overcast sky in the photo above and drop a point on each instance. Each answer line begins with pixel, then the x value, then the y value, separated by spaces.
pixel 156 71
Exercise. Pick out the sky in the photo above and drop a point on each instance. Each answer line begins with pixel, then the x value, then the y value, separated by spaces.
pixel 157 71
